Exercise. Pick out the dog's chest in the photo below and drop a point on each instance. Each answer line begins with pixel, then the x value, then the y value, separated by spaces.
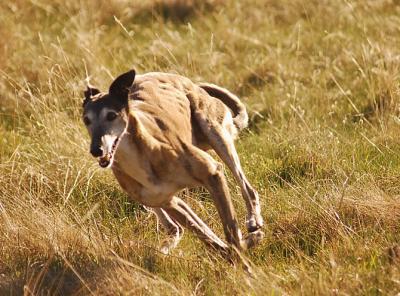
pixel 135 165
pixel 128 161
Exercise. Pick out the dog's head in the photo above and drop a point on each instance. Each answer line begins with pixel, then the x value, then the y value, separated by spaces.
pixel 105 117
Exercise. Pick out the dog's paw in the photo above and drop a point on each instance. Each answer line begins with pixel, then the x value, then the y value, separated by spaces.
pixel 253 238
pixel 165 249
pixel 254 223
pixel 169 244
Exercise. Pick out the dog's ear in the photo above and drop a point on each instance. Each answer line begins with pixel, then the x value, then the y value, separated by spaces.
pixel 120 86
pixel 88 93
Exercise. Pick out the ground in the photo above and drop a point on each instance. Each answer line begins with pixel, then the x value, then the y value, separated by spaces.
pixel 321 83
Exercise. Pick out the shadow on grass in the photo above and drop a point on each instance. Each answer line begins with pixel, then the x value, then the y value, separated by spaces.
pixel 257 78
pixel 291 168
pixel 176 11
pixel 383 105
pixel 50 277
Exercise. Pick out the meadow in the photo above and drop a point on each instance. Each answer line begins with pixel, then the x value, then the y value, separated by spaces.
pixel 321 81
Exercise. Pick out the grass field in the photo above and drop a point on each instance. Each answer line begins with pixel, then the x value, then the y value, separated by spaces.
pixel 321 80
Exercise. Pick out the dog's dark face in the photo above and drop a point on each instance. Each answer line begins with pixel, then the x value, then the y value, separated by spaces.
pixel 105 117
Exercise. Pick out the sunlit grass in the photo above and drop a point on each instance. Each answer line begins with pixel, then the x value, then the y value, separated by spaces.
pixel 321 83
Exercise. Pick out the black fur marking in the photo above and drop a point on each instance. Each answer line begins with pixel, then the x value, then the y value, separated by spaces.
pixel 120 86
pixel 89 93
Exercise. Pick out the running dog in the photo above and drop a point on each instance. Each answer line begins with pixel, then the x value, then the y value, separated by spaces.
pixel 153 131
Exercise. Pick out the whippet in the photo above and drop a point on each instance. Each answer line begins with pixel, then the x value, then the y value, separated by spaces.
pixel 152 130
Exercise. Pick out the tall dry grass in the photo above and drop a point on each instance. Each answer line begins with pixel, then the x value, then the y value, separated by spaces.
pixel 321 83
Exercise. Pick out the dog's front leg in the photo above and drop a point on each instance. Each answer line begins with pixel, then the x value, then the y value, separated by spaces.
pixel 184 215
pixel 173 230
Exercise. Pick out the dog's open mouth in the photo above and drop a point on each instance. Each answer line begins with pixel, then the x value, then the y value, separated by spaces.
pixel 106 160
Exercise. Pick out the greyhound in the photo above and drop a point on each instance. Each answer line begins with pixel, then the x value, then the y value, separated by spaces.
pixel 153 131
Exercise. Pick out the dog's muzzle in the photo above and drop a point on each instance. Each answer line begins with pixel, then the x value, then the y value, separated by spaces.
pixel 106 160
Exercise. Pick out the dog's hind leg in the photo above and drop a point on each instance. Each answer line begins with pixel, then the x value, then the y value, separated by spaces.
pixel 210 173
pixel 184 215
pixel 221 141
pixel 173 230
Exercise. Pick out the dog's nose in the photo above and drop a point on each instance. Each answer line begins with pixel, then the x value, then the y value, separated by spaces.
pixel 96 151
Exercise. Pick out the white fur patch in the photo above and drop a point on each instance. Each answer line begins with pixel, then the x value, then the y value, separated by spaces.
pixel 229 126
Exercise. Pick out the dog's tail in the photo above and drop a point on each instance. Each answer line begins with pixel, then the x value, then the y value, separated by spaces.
pixel 240 117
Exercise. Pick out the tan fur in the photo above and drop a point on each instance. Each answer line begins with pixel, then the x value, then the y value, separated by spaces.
pixel 170 123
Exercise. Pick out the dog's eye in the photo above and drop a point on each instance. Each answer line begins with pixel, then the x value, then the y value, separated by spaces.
pixel 86 120
pixel 111 116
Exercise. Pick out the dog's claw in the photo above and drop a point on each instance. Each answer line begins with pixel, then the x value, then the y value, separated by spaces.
pixel 253 228
pixel 253 224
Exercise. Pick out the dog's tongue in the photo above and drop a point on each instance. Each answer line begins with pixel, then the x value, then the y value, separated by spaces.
pixel 104 161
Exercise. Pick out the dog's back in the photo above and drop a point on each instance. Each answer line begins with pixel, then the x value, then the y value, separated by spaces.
pixel 167 105
pixel 159 102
